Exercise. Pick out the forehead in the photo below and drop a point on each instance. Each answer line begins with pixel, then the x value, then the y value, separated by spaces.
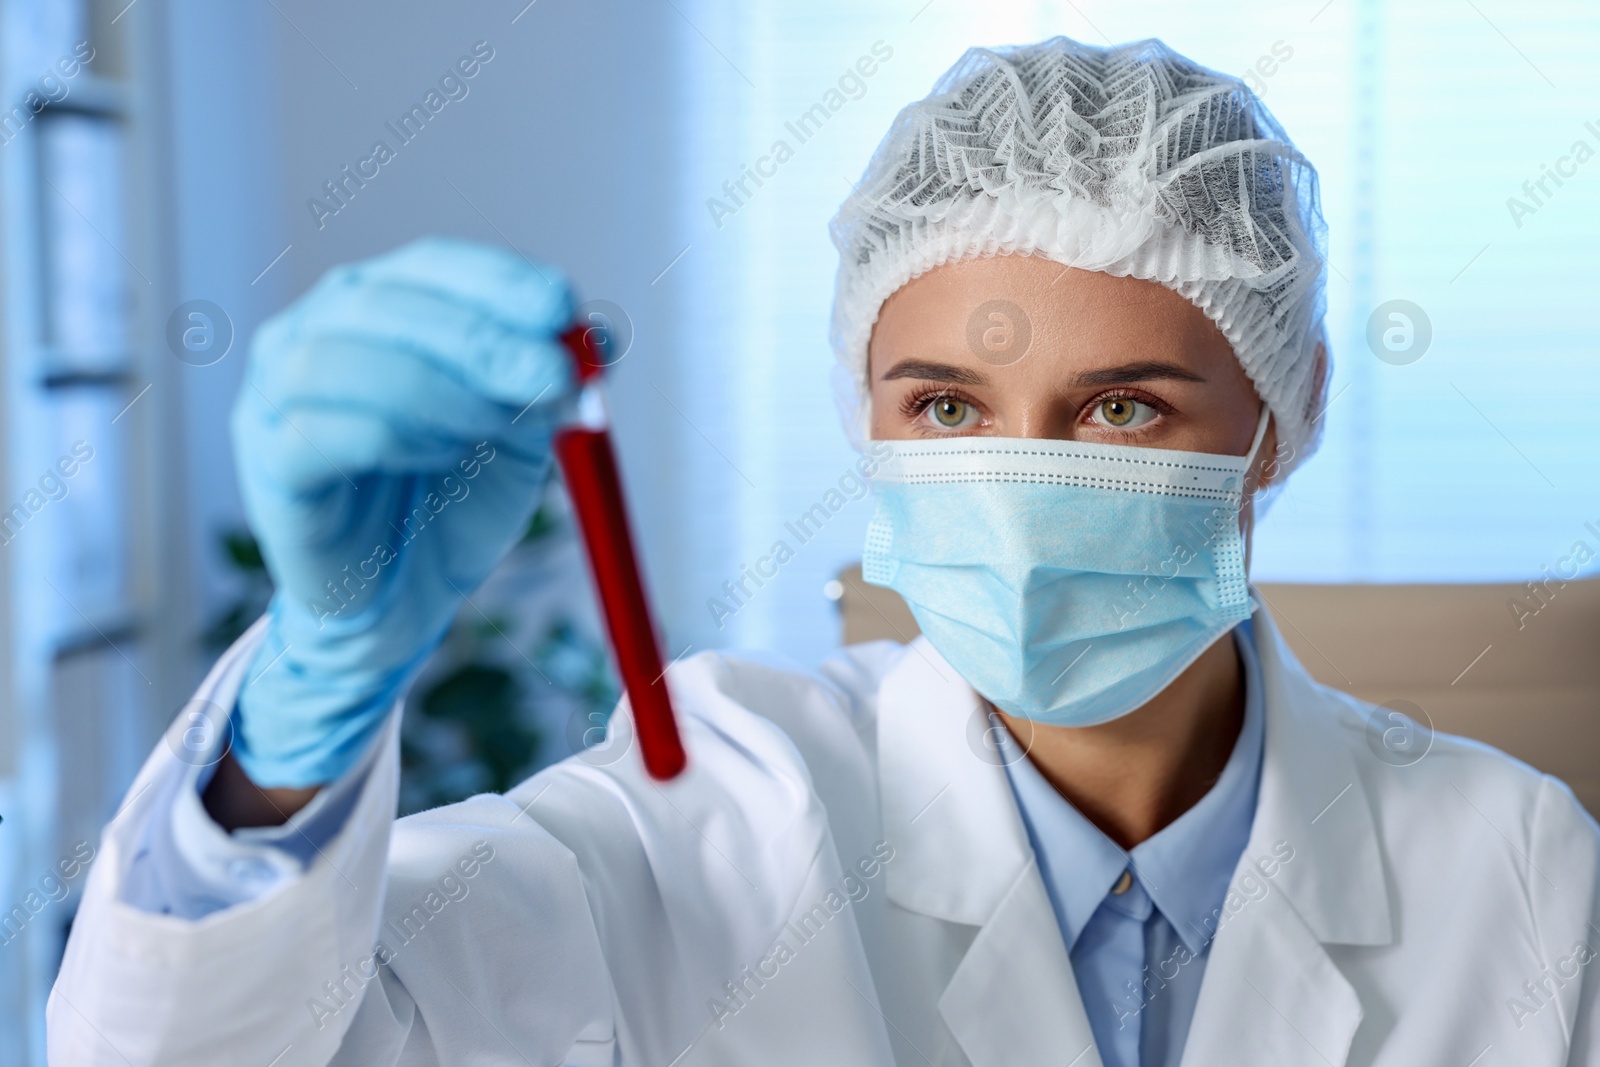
pixel 1077 316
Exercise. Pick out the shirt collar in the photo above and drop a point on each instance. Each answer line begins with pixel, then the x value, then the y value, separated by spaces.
pixel 1185 868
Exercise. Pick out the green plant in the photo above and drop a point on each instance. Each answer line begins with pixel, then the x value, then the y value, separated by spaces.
pixel 243 555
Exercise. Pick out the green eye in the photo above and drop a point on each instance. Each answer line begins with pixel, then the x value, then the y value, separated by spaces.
pixel 949 412
pixel 1118 411
pixel 1122 413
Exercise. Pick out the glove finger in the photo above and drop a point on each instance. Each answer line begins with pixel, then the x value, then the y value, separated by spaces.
pixel 498 358
pixel 370 410
pixel 426 530
pixel 319 515
pixel 402 384
pixel 532 295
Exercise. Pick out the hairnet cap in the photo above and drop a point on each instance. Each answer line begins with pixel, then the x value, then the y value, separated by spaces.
pixel 1130 160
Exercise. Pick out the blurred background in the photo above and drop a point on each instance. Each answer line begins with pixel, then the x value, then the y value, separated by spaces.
pixel 174 171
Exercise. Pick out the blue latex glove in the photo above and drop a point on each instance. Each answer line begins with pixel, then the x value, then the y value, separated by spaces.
pixel 392 438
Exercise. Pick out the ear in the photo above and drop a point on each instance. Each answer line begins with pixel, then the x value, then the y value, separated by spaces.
pixel 1271 466
pixel 1264 472
pixel 1319 375
pixel 1266 462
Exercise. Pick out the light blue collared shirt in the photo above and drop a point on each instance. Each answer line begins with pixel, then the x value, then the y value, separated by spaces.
pixel 1138 955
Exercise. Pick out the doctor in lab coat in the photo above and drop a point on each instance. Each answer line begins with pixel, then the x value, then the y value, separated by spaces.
pixel 853 869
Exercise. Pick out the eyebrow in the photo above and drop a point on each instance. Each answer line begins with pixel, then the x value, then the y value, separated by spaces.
pixel 1144 371
pixel 933 372
pixel 1127 374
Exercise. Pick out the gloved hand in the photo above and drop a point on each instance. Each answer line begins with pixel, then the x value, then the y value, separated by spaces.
pixel 392 439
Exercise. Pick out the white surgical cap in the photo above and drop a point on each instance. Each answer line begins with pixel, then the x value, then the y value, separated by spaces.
pixel 1130 160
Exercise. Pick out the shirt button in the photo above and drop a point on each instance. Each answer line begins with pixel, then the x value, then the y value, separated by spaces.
pixel 1124 883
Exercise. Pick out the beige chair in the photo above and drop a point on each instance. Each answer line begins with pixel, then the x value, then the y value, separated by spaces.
pixel 1529 686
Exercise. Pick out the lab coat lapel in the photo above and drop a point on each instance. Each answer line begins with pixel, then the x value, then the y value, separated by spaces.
pixel 1014 1002
pixel 1271 993
pixel 962 855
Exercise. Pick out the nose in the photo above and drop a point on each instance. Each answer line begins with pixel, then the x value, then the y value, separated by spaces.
pixel 1039 414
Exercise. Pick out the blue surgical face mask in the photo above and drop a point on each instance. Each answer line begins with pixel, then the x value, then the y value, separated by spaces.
pixel 1067 582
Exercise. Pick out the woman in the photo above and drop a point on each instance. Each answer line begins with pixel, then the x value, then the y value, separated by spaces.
pixel 1096 814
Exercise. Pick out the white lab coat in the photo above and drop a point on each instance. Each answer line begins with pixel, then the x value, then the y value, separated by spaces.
pixel 612 914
